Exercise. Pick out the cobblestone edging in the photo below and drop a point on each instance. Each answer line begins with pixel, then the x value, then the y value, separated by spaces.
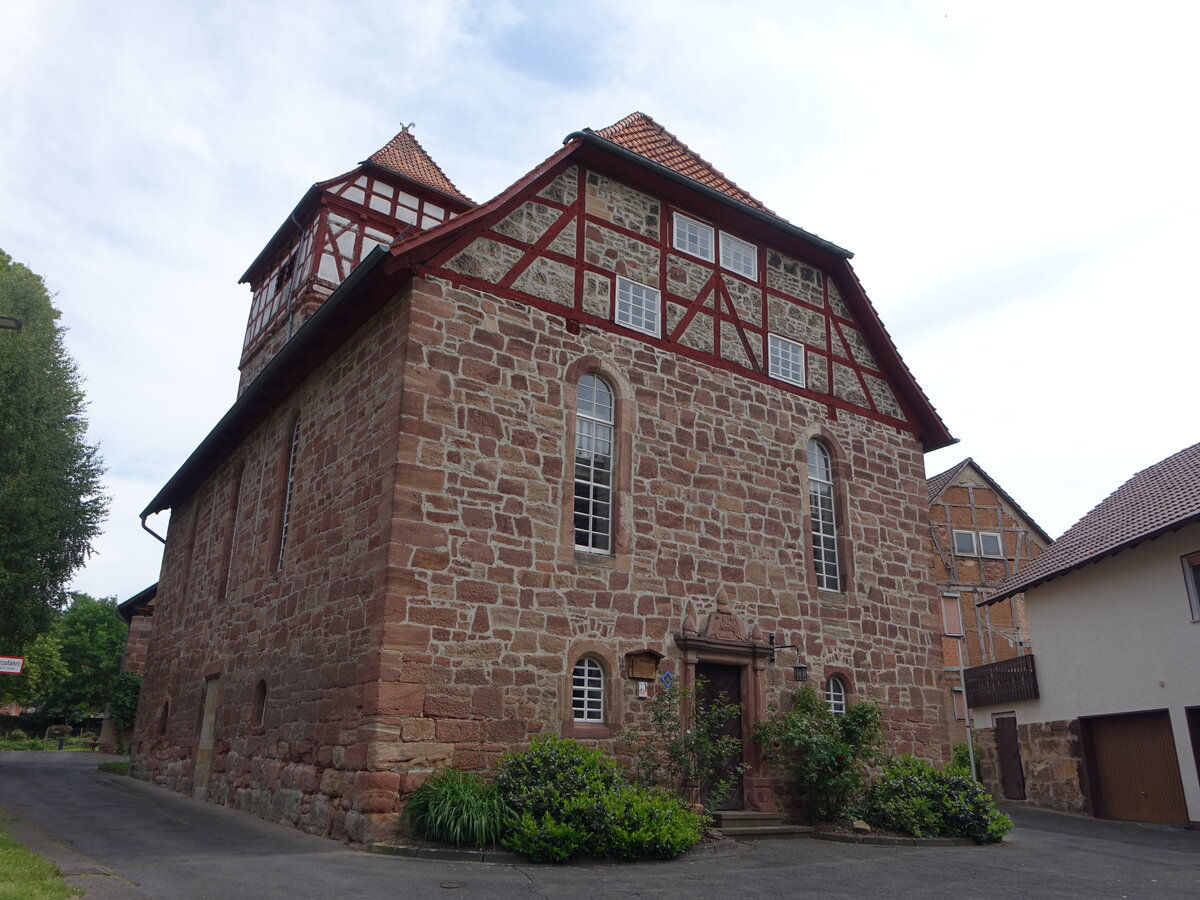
pixel 886 840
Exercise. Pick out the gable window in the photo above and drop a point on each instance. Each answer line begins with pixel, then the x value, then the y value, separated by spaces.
pixel 739 256
pixel 594 419
pixel 835 695
pixel 1191 574
pixel 964 543
pixel 587 691
pixel 693 237
pixel 821 513
pixel 637 306
pixel 786 360
pixel 990 544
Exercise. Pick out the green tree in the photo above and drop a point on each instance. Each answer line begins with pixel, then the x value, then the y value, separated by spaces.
pixel 51 506
pixel 44 671
pixel 92 634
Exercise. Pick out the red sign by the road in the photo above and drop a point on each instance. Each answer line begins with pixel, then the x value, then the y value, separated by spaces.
pixel 11 665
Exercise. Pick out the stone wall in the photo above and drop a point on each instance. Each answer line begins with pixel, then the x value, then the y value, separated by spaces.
pixel 1050 759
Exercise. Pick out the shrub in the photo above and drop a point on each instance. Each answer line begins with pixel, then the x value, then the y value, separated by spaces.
pixel 826 753
pixel 961 758
pixel 914 797
pixel 688 754
pixel 456 807
pixel 16 735
pixel 567 799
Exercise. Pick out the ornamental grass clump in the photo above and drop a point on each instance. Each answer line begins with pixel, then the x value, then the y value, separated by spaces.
pixel 913 797
pixel 457 808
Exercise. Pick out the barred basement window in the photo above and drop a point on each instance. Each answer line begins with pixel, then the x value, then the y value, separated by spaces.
pixel 835 695
pixel 594 420
pixel 786 360
pixel 821 513
pixel 587 691
pixel 637 306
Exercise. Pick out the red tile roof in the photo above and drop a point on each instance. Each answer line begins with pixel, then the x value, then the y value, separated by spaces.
pixel 939 483
pixel 1156 500
pixel 405 156
pixel 640 134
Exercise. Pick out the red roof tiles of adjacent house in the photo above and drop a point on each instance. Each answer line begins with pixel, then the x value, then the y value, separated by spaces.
pixel 405 156
pixel 1156 500
pixel 939 483
pixel 640 134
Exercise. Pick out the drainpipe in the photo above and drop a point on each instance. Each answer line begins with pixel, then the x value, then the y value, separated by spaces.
pixel 151 530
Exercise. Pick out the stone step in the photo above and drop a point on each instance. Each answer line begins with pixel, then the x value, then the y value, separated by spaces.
pixel 757 831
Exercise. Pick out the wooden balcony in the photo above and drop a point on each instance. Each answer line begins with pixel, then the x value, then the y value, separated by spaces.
pixel 999 683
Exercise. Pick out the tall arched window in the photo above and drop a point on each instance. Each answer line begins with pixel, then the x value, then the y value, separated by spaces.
pixel 821 511
pixel 594 414
pixel 587 691
pixel 835 695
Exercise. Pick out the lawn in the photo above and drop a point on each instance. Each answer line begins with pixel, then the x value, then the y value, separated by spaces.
pixel 26 876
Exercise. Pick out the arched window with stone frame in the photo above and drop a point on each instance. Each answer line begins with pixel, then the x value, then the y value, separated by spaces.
pixel 835 694
pixel 822 508
pixel 595 451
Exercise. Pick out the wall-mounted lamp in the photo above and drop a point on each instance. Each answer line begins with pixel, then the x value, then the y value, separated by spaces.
pixel 799 670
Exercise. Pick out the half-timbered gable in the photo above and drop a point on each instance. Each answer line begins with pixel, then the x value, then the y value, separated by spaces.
pixel 619 421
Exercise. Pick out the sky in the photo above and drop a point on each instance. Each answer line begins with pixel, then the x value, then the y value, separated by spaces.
pixel 1018 182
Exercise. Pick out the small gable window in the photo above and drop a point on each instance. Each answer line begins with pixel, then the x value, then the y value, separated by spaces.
pixel 692 237
pixel 1191 574
pixel 786 358
pixel 835 695
pixel 637 306
pixel 964 543
pixel 739 256
pixel 587 691
pixel 990 544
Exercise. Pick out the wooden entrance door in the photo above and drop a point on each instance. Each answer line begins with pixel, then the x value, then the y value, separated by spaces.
pixel 204 749
pixel 1137 769
pixel 726 680
pixel 1008 750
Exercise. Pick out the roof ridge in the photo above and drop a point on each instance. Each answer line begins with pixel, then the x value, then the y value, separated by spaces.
pixel 643 135
pixel 404 155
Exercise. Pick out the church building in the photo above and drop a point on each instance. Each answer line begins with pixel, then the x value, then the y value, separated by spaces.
pixel 503 468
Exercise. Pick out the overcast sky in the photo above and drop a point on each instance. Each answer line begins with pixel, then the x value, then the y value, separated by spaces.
pixel 1018 182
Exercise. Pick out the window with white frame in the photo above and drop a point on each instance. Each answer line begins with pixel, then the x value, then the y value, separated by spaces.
pixel 785 359
pixel 822 517
pixel 990 544
pixel 835 695
pixel 964 543
pixel 739 256
pixel 637 306
pixel 692 237
pixel 1191 574
pixel 594 425
pixel 587 691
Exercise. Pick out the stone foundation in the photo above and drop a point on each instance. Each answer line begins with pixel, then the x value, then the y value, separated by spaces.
pixel 1051 760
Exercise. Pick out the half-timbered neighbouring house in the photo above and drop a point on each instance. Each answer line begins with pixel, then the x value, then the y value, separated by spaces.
pixel 980 537
pixel 503 472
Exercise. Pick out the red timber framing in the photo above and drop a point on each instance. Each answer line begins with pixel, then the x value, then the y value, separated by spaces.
pixel 714 301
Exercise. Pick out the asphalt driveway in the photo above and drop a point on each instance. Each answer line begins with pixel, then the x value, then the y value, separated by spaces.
pixel 120 838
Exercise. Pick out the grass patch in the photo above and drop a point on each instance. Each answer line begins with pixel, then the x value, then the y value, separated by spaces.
pixel 26 876
pixel 116 768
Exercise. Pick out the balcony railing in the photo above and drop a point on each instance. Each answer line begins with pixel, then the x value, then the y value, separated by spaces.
pixel 1006 681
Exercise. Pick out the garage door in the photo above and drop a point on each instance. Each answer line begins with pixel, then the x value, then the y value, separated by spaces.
pixel 1137 771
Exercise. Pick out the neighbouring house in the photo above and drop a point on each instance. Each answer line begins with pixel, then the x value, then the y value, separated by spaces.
pixel 1109 724
pixel 497 469
pixel 980 537
pixel 136 612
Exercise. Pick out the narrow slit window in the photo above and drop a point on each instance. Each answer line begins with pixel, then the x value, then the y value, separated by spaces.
pixel 822 516
pixel 285 513
pixel 587 691
pixel 594 426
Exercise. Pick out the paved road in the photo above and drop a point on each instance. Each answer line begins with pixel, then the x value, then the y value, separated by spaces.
pixel 119 838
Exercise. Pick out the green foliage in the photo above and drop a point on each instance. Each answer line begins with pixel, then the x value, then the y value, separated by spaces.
pixel 123 703
pixel 43 672
pixel 688 754
pixel 51 505
pixel 961 758
pixel 827 754
pixel 456 807
pixel 566 799
pixel 914 797
pixel 92 635
pixel 115 768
